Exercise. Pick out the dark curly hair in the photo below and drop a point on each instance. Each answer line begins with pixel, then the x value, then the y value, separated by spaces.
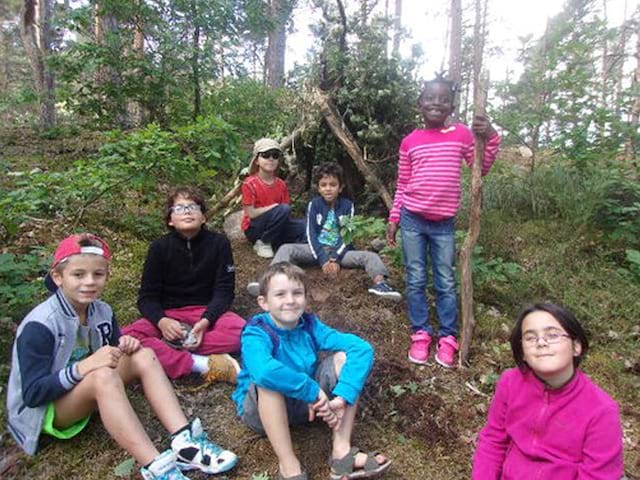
pixel 329 169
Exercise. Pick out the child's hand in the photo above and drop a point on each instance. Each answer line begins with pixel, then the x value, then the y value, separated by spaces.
pixel 106 356
pixel 128 344
pixel 481 127
pixel 171 329
pixel 323 410
pixel 392 230
pixel 198 332
pixel 331 268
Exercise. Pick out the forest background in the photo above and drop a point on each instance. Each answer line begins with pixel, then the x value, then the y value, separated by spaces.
pixel 105 104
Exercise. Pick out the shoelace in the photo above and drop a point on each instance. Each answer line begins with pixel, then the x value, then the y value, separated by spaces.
pixel 205 444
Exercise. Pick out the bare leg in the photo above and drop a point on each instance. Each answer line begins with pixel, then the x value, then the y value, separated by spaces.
pixel 103 388
pixel 144 366
pixel 273 414
pixel 342 435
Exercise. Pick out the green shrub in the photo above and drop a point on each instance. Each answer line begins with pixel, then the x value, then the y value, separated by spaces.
pixel 20 281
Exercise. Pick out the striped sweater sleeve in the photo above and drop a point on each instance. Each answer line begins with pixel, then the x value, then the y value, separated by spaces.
pixel 40 386
pixel 490 153
pixel 404 174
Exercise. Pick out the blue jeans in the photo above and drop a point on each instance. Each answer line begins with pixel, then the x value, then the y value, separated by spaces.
pixel 277 227
pixel 420 237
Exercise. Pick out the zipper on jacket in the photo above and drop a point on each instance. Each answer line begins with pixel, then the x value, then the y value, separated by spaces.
pixel 539 424
pixel 190 253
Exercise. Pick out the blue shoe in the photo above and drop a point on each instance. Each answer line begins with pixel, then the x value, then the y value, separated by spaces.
pixel 196 452
pixel 384 290
pixel 163 467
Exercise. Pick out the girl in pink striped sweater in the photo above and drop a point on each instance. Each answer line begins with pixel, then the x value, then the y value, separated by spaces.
pixel 425 205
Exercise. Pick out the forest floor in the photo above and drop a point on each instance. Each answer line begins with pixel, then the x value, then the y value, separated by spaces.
pixel 425 418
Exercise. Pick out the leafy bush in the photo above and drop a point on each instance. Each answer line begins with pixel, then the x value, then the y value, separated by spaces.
pixel 20 281
pixel 253 109
pixel 127 167
pixel 360 227
pixel 604 197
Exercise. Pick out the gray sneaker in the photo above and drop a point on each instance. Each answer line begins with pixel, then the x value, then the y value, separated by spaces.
pixel 384 290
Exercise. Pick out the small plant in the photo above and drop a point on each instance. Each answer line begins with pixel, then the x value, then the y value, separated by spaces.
pixel 261 476
pixel 633 257
pixel 360 227
pixel 19 281
pixel 400 389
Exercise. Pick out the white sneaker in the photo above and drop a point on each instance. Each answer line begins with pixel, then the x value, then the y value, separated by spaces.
pixel 253 288
pixel 262 249
pixel 195 451
pixel 163 467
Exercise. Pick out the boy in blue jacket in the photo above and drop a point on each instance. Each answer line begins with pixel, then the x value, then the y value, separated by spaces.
pixel 325 215
pixel 284 382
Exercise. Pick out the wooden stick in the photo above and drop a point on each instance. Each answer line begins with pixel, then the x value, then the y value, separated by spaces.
pixel 344 136
pixel 466 253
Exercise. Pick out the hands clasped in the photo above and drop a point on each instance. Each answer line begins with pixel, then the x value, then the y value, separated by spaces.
pixel 331 411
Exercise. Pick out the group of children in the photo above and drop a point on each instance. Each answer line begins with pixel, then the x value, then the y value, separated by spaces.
pixel 547 418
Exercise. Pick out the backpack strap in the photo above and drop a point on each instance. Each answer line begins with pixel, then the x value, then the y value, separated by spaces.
pixel 309 325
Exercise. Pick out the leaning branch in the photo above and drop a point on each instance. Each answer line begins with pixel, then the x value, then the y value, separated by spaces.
pixel 344 136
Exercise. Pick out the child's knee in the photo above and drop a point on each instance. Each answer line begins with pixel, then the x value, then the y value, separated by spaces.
pixel 339 359
pixel 104 379
pixel 144 360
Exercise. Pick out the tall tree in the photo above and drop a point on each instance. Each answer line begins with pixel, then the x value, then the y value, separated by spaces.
pixel 397 28
pixel 279 12
pixel 631 146
pixel 455 49
pixel 35 30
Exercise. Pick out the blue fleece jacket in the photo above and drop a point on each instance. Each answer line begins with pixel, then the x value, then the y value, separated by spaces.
pixel 317 213
pixel 291 368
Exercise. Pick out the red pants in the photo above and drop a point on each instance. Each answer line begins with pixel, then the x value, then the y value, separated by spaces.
pixel 223 337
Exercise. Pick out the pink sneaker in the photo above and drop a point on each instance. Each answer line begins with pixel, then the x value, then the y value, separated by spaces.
pixel 447 349
pixel 419 352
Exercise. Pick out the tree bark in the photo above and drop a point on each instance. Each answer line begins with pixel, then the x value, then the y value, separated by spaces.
pixel 35 31
pixel 195 61
pixel 481 86
pixel 631 147
pixel 136 109
pixel 397 28
pixel 344 136
pixel 455 50
pixel 277 44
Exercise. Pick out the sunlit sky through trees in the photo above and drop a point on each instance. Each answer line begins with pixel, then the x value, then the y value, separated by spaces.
pixel 426 25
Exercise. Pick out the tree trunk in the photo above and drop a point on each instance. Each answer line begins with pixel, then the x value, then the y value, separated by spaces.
pixel 344 136
pixel 195 61
pixel 136 110
pixel 35 30
pixel 277 44
pixel 481 86
pixel 455 50
pixel 397 29
pixel 631 147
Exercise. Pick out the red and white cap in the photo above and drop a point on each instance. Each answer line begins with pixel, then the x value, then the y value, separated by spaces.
pixel 71 246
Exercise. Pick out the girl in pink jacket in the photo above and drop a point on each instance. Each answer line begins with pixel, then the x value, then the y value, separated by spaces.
pixel 548 420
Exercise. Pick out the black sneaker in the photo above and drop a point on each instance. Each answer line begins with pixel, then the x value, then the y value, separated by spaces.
pixel 384 290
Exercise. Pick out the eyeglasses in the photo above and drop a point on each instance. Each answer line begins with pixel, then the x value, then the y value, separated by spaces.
pixel 549 338
pixel 186 209
pixel 270 154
